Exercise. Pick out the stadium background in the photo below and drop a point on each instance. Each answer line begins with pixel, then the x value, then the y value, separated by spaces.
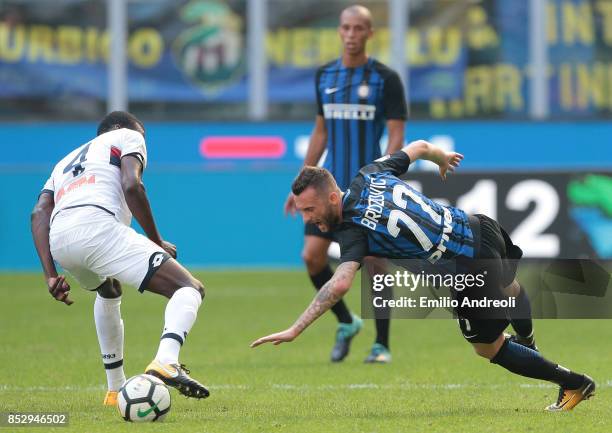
pixel 227 129
pixel 226 90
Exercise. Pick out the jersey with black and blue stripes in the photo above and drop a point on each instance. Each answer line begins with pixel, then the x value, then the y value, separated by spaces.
pixel 384 216
pixel 356 103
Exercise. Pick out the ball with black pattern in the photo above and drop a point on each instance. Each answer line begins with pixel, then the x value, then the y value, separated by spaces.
pixel 143 398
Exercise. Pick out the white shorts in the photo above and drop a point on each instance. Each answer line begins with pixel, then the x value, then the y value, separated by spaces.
pixel 91 245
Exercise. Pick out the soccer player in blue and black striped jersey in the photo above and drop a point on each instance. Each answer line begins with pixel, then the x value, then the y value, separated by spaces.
pixel 379 214
pixel 357 97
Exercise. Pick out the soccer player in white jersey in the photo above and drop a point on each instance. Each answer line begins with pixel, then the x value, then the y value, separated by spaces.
pixel 82 221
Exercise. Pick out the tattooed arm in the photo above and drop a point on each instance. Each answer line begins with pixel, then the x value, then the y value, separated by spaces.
pixel 330 293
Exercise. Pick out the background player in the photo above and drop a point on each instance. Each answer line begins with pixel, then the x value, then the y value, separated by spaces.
pixel 416 226
pixel 356 96
pixel 82 221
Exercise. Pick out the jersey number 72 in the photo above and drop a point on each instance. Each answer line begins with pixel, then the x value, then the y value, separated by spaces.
pixel 396 215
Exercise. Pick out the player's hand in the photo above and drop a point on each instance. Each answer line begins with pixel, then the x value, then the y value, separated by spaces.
pixel 290 205
pixel 59 289
pixel 449 163
pixel 285 336
pixel 169 248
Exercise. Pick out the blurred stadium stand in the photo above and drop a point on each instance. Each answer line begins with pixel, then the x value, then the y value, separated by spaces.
pixel 470 70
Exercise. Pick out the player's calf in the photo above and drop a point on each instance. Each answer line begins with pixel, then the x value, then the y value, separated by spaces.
pixel 172 276
pixel 186 293
pixel 109 329
pixel 520 314
pixel 523 341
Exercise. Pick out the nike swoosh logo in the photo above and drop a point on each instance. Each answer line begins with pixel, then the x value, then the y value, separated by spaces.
pixel 331 90
pixel 142 414
pixel 567 401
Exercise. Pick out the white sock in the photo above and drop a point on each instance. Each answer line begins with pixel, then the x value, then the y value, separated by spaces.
pixel 181 313
pixel 109 327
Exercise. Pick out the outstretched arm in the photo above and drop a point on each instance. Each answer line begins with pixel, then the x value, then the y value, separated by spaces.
pixel 330 293
pixel 421 149
pixel 40 221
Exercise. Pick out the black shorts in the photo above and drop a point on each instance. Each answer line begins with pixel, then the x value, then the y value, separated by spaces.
pixel 312 230
pixel 498 257
pixel 494 247
pixel 482 330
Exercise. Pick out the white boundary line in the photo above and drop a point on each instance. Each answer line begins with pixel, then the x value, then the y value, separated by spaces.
pixel 292 387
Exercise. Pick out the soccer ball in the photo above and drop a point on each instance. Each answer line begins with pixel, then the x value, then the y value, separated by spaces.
pixel 143 398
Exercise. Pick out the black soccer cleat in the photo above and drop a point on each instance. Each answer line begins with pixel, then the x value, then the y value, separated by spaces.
pixel 177 376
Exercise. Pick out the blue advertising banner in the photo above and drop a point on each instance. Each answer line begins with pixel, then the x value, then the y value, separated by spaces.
pixel 229 146
pixel 549 183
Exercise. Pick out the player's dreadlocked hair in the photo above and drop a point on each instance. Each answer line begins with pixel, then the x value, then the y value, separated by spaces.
pixel 317 177
pixel 118 120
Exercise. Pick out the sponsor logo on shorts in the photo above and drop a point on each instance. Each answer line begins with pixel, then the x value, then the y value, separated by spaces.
pixel 156 260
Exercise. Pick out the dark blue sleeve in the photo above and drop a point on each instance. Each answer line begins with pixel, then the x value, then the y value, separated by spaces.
pixel 396 164
pixel 394 102
pixel 319 103
pixel 353 244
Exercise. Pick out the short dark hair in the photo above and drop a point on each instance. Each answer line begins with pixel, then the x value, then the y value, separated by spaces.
pixel 118 120
pixel 318 178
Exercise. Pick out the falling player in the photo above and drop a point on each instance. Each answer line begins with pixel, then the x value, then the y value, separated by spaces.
pixel 411 226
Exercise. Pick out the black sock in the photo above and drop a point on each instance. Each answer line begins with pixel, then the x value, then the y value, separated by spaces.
pixel 383 317
pixel 520 316
pixel 521 360
pixel 340 309
pixel 382 332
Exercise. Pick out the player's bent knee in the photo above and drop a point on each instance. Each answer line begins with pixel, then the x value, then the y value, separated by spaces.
pixel 110 289
pixel 489 350
pixel 191 282
pixel 117 287
pixel 483 350
pixel 172 276
pixel 195 283
pixel 513 290
pixel 199 287
pixel 315 261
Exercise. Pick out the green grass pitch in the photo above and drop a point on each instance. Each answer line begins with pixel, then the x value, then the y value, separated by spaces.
pixel 49 361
